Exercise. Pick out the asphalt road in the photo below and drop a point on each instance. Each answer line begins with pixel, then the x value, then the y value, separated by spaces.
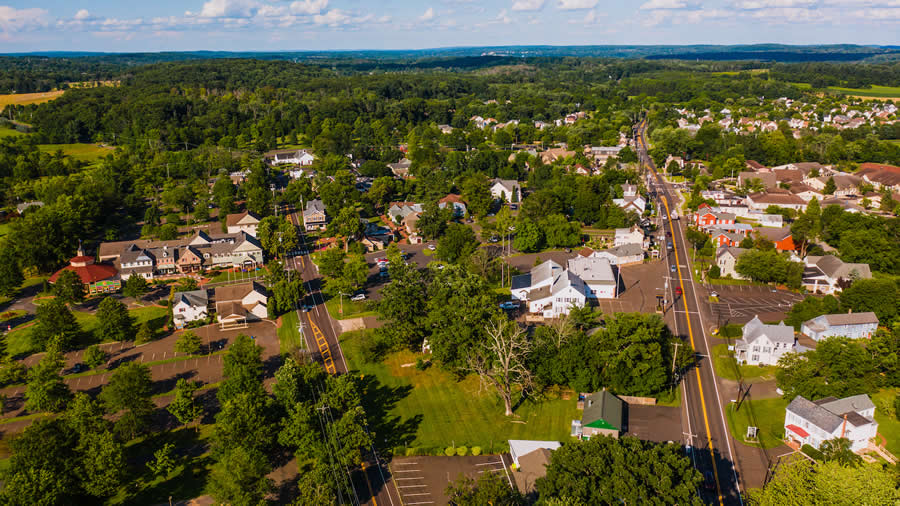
pixel 706 431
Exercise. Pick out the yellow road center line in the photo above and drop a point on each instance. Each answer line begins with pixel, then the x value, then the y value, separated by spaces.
pixel 371 494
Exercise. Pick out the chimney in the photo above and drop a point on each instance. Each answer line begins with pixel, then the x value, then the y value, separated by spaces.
pixel 844 426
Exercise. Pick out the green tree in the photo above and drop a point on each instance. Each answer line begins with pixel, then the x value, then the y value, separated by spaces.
pixel 604 470
pixel 246 421
pixel 830 187
pixel 839 449
pixel 477 194
pixel 559 232
pixel 277 235
pixel 68 287
pixel 331 262
pixel 129 391
pixel 803 482
pixel 224 193
pixel 46 389
pixel 880 296
pixel 188 343
pixel 114 321
pixel 135 286
pixel 187 284
pixel 242 369
pixel 355 272
pixel 490 488
pixel 43 468
pixel 838 367
pixel 168 232
pixel 94 357
pixel 55 324
pixel 102 463
pixel 807 227
pixel 163 462
pixel 240 477
pixel 10 272
pixel 809 308
pixel 529 237
pixel 433 221
pixel 144 333
pixel 403 307
pixel 183 406
pixel 346 224
pixel 457 243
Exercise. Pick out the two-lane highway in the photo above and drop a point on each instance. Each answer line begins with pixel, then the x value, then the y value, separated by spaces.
pixel 706 431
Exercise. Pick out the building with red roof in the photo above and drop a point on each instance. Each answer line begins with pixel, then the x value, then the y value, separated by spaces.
pixel 97 278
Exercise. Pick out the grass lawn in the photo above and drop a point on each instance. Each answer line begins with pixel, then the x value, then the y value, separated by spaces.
pixel 351 309
pixel 874 91
pixel 766 414
pixel 186 481
pixel 9 132
pixel 888 425
pixel 727 368
pixel 19 340
pixel 430 409
pixel 289 338
pixel 225 276
pixel 85 152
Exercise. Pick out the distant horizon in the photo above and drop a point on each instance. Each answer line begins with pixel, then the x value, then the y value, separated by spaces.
pixel 395 25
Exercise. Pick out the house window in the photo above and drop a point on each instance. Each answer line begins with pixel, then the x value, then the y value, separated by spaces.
pixel 181 310
pixel 756 349
pixel 754 358
pixel 766 349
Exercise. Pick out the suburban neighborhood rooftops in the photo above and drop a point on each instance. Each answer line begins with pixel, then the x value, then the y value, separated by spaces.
pixel 244 218
pixel 844 319
pixel 237 292
pixel 776 198
pixel 828 413
pixel 730 250
pixel 776 333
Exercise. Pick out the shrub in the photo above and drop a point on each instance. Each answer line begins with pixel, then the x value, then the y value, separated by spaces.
pixel 462 451
pixel 422 364
pixel 450 451
pixel 812 453
pixel 897 407
pixel 476 450
pixel 94 357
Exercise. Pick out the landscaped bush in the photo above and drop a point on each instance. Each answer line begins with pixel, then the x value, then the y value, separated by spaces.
pixel 812 453
pixel 450 451
pixel 462 451
pixel 476 450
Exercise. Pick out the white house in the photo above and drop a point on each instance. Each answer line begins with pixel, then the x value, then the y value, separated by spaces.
pixel 825 274
pixel 761 201
pixel 813 422
pixel 507 190
pixel 726 259
pixel 566 292
pixel 290 156
pixel 189 306
pixel 597 275
pixel 540 276
pixel 243 222
pixel 633 235
pixel 634 203
pixel 764 344
pixel 241 303
pixel 852 325
pixel 625 254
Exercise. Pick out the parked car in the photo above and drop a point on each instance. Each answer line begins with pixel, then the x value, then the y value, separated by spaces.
pixel 709 482
pixel 432 247
pixel 78 368
pixel 358 297
pixel 673 269
pixel 509 305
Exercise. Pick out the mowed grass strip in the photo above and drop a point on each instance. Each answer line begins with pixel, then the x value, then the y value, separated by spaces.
pixel 28 98
pixel 765 414
pixel 10 132
pixel 458 412
pixel 84 152
pixel 289 338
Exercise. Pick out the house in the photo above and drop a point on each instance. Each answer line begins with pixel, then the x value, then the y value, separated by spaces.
pixel 721 238
pixel 506 190
pixel 290 156
pixel 97 278
pixel 597 276
pixel 189 307
pixel 244 222
pixel 314 216
pixel 781 237
pixel 633 235
pixel 783 198
pixel 401 168
pixel 880 175
pixel 813 422
pixel 454 202
pixel 768 220
pixel 398 211
pixel 726 259
pixel 601 154
pixel 763 344
pixel 21 208
pixel 852 325
pixel 805 192
pixel 566 291
pixel 707 216
pixel 626 254
pixel 604 414
pixel 845 185
pixel 374 243
pixel 551 155
pixel 237 304
pixel 635 203
pixel 754 165
pixel 766 179
pixel 531 459
pixel 829 274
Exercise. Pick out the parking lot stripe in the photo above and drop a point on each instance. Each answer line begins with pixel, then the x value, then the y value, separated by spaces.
pixel 411 486
pixel 407 471
pixel 420 493
pixel 416 478
pixel 404 463
pixel 489 463
pixel 423 502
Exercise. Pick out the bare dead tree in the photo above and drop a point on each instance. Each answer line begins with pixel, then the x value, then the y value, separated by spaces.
pixel 563 327
pixel 501 361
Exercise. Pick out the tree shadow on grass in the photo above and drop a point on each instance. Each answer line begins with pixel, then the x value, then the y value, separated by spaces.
pixel 388 432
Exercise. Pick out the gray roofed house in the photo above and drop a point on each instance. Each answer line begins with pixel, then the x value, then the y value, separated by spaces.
pixel 625 254
pixel 763 344
pixel 506 189
pixel 597 275
pixel 813 422
pixel 21 208
pixel 826 273
pixel 852 325
pixel 189 306
pixel 401 168
pixel 726 260
pixel 604 414
pixel 314 216
pixel 400 210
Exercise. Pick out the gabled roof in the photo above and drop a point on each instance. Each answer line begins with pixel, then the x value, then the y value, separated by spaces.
pixel 755 328
pixel 237 292
pixel 730 250
pixel 851 318
pixel 545 271
pixel 245 218
pixel 508 184
pixel 592 269
pixel 194 298
pixel 520 281
pixel 565 280
pixel 828 413
pixel 834 267
pixel 603 410
pixel 314 206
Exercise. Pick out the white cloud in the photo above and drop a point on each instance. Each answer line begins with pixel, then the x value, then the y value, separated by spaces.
pixel 664 4
pixel 332 18
pixel 14 20
pixel 309 7
pixel 82 15
pixel 570 5
pixel 770 4
pixel 527 5
pixel 503 17
pixel 229 9
pixel 428 15
pixel 593 18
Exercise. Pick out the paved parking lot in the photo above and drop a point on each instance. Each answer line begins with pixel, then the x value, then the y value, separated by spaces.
pixel 739 304
pixel 654 423
pixel 423 480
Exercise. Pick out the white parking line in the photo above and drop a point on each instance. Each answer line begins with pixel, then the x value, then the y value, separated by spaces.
pixel 407 471
pixel 422 493
pixel 423 502
pixel 404 463
pixel 416 478
pixel 411 486
pixel 490 463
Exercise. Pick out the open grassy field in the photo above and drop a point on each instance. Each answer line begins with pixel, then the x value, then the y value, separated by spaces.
pixel 431 409
pixel 351 309
pixel 873 92
pixel 766 414
pixel 19 340
pixel 28 98
pixel 289 338
pixel 888 424
pixel 86 152
pixel 9 132
pixel 727 368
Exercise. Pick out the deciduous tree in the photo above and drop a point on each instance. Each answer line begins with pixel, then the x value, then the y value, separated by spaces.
pixel 501 362
pixel 68 287
pixel 115 323
pixel 46 389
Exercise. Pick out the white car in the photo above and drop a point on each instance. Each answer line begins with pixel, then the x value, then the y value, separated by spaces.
pixel 509 305
pixel 432 247
pixel 358 297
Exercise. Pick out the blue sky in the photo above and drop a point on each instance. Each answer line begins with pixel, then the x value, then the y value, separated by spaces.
pixel 160 25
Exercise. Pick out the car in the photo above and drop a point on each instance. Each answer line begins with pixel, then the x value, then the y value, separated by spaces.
pixel 493 238
pixel 513 207
pixel 509 305
pixel 709 482
pixel 432 247
pixel 673 269
pixel 358 297
pixel 78 367
pixel 714 294
pixel 305 309
pixel 678 291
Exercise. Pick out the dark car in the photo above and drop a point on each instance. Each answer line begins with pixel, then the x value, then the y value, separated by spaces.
pixel 709 482
pixel 77 368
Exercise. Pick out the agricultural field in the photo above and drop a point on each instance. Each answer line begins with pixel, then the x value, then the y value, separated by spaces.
pixel 85 152
pixel 873 92
pixel 28 98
